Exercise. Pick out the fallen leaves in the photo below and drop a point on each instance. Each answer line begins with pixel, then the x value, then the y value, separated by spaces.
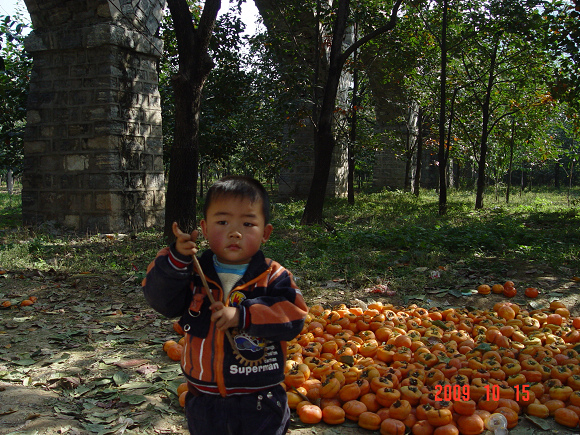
pixel 125 364
pixel 95 345
pixel 380 289
pixel 7 411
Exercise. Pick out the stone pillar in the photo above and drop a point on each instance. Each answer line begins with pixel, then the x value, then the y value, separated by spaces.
pixel 391 111
pixel 388 170
pixel 93 145
pixel 296 176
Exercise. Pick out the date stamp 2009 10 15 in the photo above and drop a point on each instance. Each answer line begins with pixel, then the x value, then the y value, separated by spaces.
pixel 458 392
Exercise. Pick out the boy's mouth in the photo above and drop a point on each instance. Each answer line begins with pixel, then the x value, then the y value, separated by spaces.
pixel 234 247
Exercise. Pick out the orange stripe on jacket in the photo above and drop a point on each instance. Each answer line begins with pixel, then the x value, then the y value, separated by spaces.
pixel 283 312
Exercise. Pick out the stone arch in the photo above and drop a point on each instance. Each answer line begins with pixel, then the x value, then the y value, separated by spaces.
pixel 296 177
pixel 93 145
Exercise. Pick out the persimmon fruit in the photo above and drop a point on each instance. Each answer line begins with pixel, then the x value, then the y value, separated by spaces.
pixel 168 344
pixel 381 366
pixel 182 397
pixel 497 288
pixel 531 292
pixel 484 289
pixel 509 292
pixel 182 387
pixel 310 414
pixel 566 417
pixel 175 352
pixel 333 414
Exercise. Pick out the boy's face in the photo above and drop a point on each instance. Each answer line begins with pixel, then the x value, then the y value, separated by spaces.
pixel 235 229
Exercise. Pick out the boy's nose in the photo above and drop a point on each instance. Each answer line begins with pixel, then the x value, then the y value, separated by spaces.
pixel 235 235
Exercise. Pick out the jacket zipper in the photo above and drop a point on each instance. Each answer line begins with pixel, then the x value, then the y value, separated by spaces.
pixel 219 337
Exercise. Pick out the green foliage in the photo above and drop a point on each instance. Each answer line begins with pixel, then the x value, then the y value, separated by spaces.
pixel 390 234
pixel 387 236
pixel 243 108
pixel 43 250
pixel 560 18
pixel 15 68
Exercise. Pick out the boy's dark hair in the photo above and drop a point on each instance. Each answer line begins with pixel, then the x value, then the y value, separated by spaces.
pixel 239 186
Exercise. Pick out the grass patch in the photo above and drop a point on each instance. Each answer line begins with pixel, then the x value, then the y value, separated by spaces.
pixel 10 209
pixel 385 237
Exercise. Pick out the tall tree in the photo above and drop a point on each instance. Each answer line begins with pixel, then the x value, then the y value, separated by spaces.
pixel 444 34
pixel 15 69
pixel 353 124
pixel 325 141
pixel 561 17
pixel 496 67
pixel 442 157
pixel 195 64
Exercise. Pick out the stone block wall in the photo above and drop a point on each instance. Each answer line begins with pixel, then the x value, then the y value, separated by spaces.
pixel 388 170
pixel 296 177
pixel 93 143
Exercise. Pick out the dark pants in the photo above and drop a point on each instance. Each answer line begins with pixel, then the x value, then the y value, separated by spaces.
pixel 265 412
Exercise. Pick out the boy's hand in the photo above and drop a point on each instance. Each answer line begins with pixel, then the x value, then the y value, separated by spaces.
pixel 185 243
pixel 224 317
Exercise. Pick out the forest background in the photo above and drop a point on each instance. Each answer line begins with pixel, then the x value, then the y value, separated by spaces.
pixel 506 113
pixel 510 115
pixel 511 86
pixel 494 86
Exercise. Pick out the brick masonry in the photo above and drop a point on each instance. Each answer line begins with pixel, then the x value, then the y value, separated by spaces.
pixel 93 144
pixel 296 176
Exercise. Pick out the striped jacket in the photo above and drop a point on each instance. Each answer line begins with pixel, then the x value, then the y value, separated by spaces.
pixel 272 311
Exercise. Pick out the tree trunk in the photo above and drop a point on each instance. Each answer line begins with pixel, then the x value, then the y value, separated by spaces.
pixel 418 168
pixel 353 132
pixel 449 176
pixel 194 67
pixel 570 180
pixel 324 141
pixel 201 179
pixel 350 179
pixel 485 130
pixel 10 181
pixel 442 108
pixel 408 164
pixel 408 157
pixel 511 162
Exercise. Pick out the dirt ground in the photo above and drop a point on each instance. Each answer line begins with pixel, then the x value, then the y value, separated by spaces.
pixel 87 356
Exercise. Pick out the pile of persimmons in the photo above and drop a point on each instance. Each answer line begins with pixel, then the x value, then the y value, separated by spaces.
pixel 434 371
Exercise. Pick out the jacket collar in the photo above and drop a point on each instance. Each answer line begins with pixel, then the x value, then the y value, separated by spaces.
pixel 256 267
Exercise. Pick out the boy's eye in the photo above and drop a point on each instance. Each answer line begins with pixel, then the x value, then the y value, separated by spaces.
pixel 222 222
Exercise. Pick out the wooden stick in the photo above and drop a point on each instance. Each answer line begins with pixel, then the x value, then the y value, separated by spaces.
pixel 199 271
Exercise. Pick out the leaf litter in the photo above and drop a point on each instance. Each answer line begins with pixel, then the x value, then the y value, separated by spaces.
pixel 92 346
pixel 87 357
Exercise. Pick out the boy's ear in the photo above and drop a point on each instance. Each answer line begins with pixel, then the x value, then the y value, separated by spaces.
pixel 203 225
pixel 267 231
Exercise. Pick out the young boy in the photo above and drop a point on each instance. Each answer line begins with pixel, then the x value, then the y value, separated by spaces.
pixel 256 300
